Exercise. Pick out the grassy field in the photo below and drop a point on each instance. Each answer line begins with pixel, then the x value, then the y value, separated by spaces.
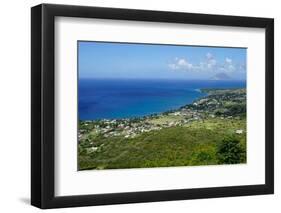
pixel 165 119
pixel 193 144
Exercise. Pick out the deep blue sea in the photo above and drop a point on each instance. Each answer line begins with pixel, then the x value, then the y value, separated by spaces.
pixel 114 99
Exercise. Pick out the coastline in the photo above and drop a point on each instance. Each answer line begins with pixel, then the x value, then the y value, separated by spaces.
pixel 208 106
pixel 207 92
pixel 195 130
pixel 115 99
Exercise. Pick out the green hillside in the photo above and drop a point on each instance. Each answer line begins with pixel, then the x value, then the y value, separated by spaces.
pixel 210 131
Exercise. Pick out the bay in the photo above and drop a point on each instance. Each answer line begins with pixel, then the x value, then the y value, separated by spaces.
pixel 129 98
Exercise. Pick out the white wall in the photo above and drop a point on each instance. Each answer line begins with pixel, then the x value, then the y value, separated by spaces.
pixel 15 105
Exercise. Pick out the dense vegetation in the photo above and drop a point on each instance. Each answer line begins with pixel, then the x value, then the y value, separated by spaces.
pixel 210 131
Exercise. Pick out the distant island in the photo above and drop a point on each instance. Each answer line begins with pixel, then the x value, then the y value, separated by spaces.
pixel 209 131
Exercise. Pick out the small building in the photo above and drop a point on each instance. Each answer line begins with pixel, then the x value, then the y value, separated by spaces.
pixel 239 131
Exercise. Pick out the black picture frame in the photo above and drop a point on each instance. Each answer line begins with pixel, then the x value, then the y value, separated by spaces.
pixel 43 102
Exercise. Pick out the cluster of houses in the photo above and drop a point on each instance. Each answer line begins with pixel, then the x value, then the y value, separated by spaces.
pixel 129 128
pixel 122 127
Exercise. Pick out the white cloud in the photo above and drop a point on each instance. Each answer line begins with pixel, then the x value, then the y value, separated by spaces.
pixel 208 64
pixel 229 66
pixel 209 56
pixel 228 60
pixel 210 61
pixel 173 66
pixel 180 64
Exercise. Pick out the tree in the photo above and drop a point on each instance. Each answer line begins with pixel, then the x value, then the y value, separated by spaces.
pixel 237 109
pixel 229 151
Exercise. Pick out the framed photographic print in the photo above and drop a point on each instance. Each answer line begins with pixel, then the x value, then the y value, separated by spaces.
pixel 139 106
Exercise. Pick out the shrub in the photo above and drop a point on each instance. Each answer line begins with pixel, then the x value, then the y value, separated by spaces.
pixel 229 151
pixel 237 109
pixel 203 158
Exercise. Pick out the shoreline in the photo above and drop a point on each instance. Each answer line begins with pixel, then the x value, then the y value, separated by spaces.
pixel 220 103
pixel 207 92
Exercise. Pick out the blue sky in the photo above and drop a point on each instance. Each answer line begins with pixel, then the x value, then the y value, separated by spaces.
pixel 145 61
